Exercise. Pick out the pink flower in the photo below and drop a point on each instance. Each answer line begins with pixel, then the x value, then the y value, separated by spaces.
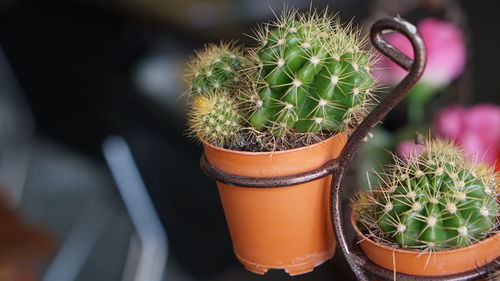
pixel 448 121
pixel 476 129
pixel 407 149
pixel 446 54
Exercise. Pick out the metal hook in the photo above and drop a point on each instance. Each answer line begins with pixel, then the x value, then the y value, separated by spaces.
pixel 416 69
pixel 358 262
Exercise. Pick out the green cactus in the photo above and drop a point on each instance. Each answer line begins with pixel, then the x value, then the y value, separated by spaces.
pixel 436 200
pixel 310 74
pixel 214 118
pixel 215 67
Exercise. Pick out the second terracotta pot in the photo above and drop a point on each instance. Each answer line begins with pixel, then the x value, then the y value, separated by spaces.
pixel 431 263
pixel 285 228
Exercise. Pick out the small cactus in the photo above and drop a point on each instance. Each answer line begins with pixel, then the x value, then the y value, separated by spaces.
pixel 309 74
pixel 214 118
pixel 215 67
pixel 436 200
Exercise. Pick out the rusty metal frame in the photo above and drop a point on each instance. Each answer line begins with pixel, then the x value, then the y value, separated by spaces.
pixel 362 267
pixel 328 168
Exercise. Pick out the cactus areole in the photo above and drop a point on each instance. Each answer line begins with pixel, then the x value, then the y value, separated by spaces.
pixel 436 200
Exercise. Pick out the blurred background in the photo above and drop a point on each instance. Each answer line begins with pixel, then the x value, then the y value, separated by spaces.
pixel 97 178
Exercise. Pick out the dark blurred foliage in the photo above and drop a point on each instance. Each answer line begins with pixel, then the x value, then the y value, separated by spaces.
pixel 78 64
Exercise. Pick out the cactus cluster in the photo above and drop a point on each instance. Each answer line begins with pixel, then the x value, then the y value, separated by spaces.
pixel 310 74
pixel 437 199
pixel 212 75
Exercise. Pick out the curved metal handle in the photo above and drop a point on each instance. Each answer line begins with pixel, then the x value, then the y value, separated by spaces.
pixel 416 69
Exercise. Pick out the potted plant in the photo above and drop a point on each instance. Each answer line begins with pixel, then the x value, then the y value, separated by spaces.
pixel 283 107
pixel 434 213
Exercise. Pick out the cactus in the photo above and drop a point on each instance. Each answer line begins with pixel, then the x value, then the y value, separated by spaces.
pixel 215 67
pixel 212 74
pixel 310 74
pixel 436 200
pixel 214 118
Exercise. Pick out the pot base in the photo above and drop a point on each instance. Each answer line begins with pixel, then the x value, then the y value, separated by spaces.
pixel 292 270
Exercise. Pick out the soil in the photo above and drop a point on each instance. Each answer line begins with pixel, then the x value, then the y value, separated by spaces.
pixel 253 141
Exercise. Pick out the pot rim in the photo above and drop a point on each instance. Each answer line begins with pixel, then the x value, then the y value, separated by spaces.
pixel 256 153
pixel 441 252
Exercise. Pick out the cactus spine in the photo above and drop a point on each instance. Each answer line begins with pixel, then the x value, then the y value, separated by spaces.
pixel 310 74
pixel 438 199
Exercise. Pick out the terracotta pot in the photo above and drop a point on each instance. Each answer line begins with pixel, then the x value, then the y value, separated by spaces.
pixel 430 264
pixel 279 228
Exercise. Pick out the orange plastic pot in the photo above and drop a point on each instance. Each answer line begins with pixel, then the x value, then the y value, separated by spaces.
pixel 285 228
pixel 430 264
